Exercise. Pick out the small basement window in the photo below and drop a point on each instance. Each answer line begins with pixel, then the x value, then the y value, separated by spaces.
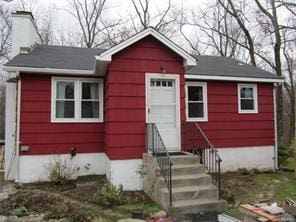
pixel 76 100
pixel 196 101
pixel 247 98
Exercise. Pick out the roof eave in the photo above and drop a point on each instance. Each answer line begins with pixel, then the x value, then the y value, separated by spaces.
pixel 233 78
pixel 48 70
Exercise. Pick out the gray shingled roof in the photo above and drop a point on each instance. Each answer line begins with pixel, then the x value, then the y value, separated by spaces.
pixel 225 66
pixel 62 57
pixel 57 57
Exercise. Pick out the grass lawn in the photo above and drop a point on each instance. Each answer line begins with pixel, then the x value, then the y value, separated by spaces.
pixel 257 187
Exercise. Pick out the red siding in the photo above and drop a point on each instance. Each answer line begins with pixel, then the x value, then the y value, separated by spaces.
pixel 227 128
pixel 122 135
pixel 125 95
pixel 44 137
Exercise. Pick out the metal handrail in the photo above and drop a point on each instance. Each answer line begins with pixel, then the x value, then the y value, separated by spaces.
pixel 196 141
pixel 156 145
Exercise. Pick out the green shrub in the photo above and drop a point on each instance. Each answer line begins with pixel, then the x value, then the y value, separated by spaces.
pixel 19 211
pixel 284 153
pixel 60 170
pixel 110 196
pixel 243 171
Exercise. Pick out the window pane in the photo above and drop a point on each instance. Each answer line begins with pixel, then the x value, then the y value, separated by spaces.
pixel 247 104
pixel 90 90
pixel 90 109
pixel 64 109
pixel 195 110
pixel 246 92
pixel 195 93
pixel 65 90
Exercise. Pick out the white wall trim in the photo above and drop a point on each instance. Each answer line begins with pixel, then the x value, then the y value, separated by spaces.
pixel 77 99
pixel 48 70
pixel 33 168
pixel 205 101
pixel 259 157
pixel 255 95
pixel 230 78
pixel 176 77
pixel 107 55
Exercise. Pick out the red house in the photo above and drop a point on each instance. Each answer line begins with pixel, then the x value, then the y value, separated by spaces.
pixel 97 104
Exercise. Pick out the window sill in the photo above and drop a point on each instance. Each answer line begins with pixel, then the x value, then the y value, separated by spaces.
pixel 77 121
pixel 248 112
pixel 197 120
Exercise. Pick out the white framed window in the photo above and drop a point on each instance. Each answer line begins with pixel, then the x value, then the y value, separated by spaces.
pixel 196 101
pixel 76 100
pixel 247 98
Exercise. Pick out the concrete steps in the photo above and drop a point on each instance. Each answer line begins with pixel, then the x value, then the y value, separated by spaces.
pixel 193 191
pixel 196 206
pixel 183 169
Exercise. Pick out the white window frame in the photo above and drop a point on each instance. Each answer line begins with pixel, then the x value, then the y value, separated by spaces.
pixel 205 101
pixel 77 100
pixel 247 85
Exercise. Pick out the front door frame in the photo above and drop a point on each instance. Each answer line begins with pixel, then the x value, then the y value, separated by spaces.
pixel 175 77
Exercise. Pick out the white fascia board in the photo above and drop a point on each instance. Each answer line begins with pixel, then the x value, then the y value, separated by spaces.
pixel 231 78
pixel 48 70
pixel 107 55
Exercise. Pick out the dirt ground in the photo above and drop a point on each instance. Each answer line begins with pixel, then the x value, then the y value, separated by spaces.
pixel 92 202
pixel 255 187
pixel 101 205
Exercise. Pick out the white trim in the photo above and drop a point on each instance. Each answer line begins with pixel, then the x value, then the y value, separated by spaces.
pixel 48 70
pixel 107 55
pixel 18 125
pixel 205 101
pixel 77 99
pixel 176 77
pixel 230 78
pixel 275 128
pixel 255 95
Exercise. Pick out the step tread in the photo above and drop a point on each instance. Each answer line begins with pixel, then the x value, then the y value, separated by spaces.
pixel 190 188
pixel 189 165
pixel 194 188
pixel 193 202
pixel 184 156
pixel 190 176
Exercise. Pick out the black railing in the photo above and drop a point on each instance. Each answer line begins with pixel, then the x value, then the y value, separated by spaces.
pixel 195 141
pixel 156 145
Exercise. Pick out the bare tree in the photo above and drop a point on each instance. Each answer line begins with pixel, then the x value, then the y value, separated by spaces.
pixel 239 17
pixel 161 20
pixel 5 33
pixel 217 31
pixel 5 45
pixel 2 111
pixel 90 16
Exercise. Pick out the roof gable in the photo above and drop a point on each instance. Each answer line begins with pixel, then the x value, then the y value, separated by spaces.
pixel 106 56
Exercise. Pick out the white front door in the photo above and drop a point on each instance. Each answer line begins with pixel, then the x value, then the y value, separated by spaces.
pixel 163 105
